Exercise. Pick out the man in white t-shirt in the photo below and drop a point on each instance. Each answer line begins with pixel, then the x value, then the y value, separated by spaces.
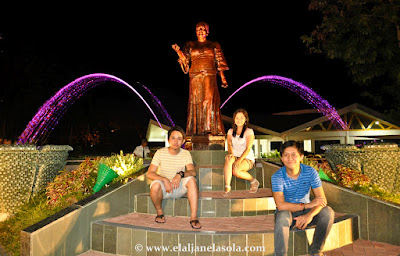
pixel 170 180
pixel 142 150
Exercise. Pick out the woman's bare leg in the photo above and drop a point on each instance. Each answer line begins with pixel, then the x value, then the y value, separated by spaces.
pixel 229 160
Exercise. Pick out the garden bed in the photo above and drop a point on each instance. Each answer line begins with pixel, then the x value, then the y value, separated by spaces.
pixel 67 193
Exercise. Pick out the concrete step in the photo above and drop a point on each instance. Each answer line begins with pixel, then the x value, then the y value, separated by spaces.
pixel 230 225
pixel 139 234
pixel 211 178
pixel 214 204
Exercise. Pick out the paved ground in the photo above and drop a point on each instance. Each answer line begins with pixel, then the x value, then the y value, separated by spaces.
pixel 253 224
pixel 366 248
pixel 261 223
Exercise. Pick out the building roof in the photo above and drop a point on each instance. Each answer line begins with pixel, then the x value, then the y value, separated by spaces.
pixel 357 116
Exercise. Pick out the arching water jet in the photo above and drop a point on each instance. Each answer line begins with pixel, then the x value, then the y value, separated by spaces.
pixel 304 92
pixel 47 117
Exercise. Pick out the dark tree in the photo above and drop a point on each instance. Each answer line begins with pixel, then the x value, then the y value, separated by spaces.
pixel 364 35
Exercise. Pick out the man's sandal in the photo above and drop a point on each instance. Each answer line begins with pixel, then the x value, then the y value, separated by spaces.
pixel 160 217
pixel 193 223
pixel 254 186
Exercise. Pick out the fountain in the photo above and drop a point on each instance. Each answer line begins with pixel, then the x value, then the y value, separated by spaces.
pixel 50 113
pixel 158 103
pixel 304 92
pixel 25 169
pixel 53 109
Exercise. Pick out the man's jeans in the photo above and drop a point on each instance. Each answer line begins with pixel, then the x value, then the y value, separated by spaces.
pixel 284 222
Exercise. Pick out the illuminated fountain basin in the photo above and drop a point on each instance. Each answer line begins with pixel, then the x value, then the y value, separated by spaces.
pixel 25 170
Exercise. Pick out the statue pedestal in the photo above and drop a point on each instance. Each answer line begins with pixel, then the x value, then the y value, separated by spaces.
pixel 205 142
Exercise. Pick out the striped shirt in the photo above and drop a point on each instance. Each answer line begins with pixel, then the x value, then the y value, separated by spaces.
pixel 296 191
pixel 169 165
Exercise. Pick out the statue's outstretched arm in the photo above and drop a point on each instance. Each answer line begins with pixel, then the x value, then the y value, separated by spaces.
pixel 183 61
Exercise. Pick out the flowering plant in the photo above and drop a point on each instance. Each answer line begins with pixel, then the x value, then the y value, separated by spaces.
pixel 273 154
pixel 349 177
pixel 123 164
pixel 344 176
pixel 321 166
pixel 70 187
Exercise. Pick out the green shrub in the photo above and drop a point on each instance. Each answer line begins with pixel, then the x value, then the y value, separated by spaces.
pixel 124 165
pixel 273 154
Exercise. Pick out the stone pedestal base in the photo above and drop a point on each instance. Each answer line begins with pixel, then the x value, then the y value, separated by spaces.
pixel 205 142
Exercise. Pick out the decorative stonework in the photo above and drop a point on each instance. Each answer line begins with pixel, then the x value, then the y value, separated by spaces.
pixel 206 142
pixel 25 170
pixel 380 162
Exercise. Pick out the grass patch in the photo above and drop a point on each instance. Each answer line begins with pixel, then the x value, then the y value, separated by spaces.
pixel 30 213
pixel 378 193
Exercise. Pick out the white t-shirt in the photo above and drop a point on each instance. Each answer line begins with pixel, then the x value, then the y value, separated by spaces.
pixel 239 144
pixel 141 152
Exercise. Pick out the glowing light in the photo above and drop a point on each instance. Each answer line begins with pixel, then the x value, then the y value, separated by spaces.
pixel 304 92
pixel 47 117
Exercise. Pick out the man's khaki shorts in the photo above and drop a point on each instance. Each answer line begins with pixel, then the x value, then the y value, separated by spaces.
pixel 177 192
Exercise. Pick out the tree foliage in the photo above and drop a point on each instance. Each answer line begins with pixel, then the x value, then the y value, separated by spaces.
pixel 364 34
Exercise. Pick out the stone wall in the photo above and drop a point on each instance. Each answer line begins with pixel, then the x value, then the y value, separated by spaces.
pixel 380 162
pixel 68 231
pixel 25 170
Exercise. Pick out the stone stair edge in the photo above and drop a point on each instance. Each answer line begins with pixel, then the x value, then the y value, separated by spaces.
pixel 194 231
pixel 339 218
pixel 205 196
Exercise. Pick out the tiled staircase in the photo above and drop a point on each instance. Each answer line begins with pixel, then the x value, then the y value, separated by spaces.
pixel 241 224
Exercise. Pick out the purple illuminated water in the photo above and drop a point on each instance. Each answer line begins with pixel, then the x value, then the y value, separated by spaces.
pixel 53 109
pixel 304 92
pixel 158 103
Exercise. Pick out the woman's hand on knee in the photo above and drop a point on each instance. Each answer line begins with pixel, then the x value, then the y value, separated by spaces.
pixel 229 157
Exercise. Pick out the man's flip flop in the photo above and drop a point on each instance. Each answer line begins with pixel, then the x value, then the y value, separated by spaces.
pixel 193 223
pixel 160 217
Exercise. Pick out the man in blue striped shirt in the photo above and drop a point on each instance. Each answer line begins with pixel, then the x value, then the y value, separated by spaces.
pixel 291 187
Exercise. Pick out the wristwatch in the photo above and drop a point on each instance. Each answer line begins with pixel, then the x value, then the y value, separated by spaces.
pixel 181 173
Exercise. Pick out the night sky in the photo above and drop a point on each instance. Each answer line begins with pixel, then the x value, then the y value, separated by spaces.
pixel 134 43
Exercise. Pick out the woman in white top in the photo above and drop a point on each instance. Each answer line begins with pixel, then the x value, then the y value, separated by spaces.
pixel 240 158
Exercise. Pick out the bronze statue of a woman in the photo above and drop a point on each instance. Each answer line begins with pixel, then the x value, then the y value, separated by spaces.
pixel 203 59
